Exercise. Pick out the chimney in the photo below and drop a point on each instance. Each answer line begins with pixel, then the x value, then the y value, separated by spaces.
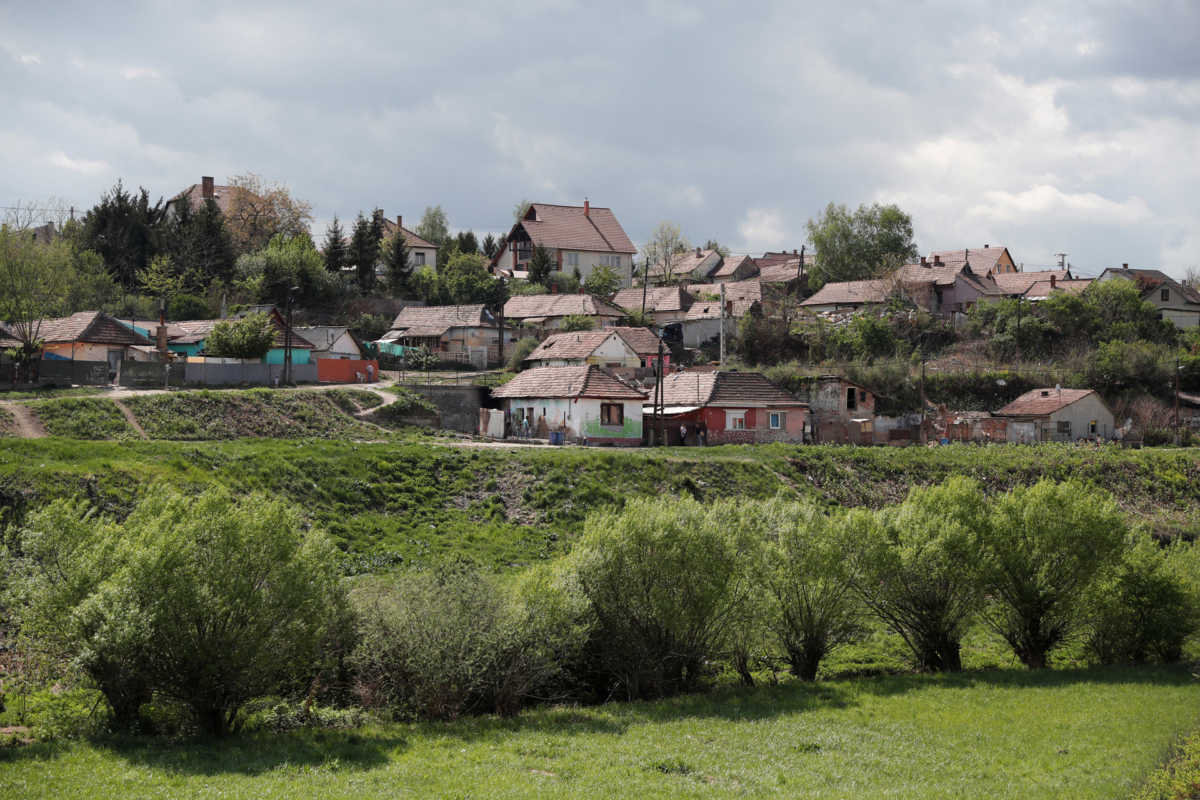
pixel 1124 266
pixel 1051 280
pixel 697 251
pixel 795 252
pixel 986 246
pixel 924 263
pixel 937 261
pixel 587 208
pixel 206 187
pixel 399 221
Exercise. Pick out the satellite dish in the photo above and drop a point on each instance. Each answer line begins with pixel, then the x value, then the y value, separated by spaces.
pixel 1001 382
pixel 1058 387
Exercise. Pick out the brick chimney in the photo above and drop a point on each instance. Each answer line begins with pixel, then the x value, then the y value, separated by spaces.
pixel 937 261
pixel 986 246
pixel 697 251
pixel 587 208
pixel 1052 281
pixel 206 187
pixel 399 221
pixel 1124 266
pixel 924 263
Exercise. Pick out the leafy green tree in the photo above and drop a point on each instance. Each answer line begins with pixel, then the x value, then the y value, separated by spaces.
pixel 34 281
pixel 396 265
pixel 665 578
pixel 520 210
pixel 1142 610
pixel 199 244
pixel 913 567
pixel 869 242
pixel 125 229
pixel 577 322
pixel 269 274
pixel 602 281
pixel 813 607
pixel 161 279
pixel 335 247
pixel 250 337
pixel 540 265
pixel 521 350
pixel 434 226
pixel 427 286
pixel 1037 555
pixel 258 211
pixel 466 279
pixel 1131 368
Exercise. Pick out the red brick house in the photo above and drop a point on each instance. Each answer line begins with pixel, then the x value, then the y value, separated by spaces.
pixel 728 408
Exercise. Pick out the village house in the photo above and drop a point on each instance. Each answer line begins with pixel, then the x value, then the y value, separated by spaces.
pixel 577 238
pixel 849 296
pixel 198 193
pixel 189 337
pixel 645 343
pixel 93 336
pixel 1175 302
pixel 1043 289
pixel 843 412
pixel 1058 415
pixel 421 253
pixel 735 268
pixel 727 407
pixel 940 288
pixel 545 312
pixel 467 333
pixel 584 403
pixel 1018 284
pixel 986 261
pixel 605 348
pixel 331 342
pixel 664 304
pixel 690 265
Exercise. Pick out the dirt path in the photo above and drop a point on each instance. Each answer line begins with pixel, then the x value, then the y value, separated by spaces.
pixel 27 425
pixel 132 420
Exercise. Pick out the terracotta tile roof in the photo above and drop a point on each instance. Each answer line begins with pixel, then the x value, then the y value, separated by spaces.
pixel 436 320
pixel 576 344
pixel 568 228
pixel 193 331
pixel 542 306
pixel 982 259
pixel 845 293
pixel 410 238
pixel 1041 402
pixel 685 263
pixel 8 338
pixel 196 331
pixel 780 271
pixel 575 381
pixel 660 298
pixel 749 291
pixel 323 337
pixel 736 389
pixel 939 275
pixel 89 326
pixel 731 265
pixel 1042 289
pixel 222 196
pixel 1015 283
pixel 643 340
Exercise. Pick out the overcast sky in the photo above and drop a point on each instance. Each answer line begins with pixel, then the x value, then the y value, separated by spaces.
pixel 1057 127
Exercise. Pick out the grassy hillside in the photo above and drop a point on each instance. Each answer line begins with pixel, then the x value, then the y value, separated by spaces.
pixel 388 502
pixel 82 418
pixel 999 734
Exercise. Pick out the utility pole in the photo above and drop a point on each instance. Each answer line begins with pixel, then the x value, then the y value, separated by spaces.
pixel 659 396
pixel 924 402
pixel 1018 329
pixel 502 303
pixel 1177 400
pixel 287 338
pixel 722 326
pixel 1062 259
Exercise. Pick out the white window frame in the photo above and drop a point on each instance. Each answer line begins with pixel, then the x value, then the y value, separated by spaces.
pixel 418 259
pixel 776 420
pixel 572 259
pixel 735 420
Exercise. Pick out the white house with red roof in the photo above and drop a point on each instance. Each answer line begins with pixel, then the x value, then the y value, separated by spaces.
pixel 584 402
pixel 577 237
pixel 1058 415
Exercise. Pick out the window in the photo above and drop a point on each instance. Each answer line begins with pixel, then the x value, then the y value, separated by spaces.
pixel 1092 427
pixel 1064 427
pixel 612 414
pixel 776 420
pixel 851 399
pixel 572 259
pixel 1165 295
pixel 735 420
pixel 610 261
pixel 419 259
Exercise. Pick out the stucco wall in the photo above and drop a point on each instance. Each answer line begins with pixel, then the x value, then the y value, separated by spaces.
pixel 580 418
pixel 1081 414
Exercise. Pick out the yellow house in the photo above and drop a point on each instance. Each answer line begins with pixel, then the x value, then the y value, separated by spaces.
pixel 91 336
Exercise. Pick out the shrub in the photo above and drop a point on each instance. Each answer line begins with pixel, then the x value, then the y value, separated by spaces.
pixel 250 337
pixel 1038 553
pixel 813 609
pixel 189 306
pixel 440 645
pixel 912 567
pixel 577 322
pixel 521 351
pixel 1143 611
pixel 207 599
pixel 664 578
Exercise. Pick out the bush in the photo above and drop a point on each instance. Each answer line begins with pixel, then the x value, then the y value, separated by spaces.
pixel 912 566
pixel 207 599
pixel 189 306
pixel 577 322
pixel 1038 554
pixel 250 337
pixel 521 351
pixel 664 577
pixel 1143 611
pixel 813 609
pixel 440 645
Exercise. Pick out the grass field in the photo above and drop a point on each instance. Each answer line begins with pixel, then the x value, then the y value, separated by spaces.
pixel 82 418
pixel 997 734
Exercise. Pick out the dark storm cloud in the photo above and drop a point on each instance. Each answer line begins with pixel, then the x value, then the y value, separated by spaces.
pixel 1048 127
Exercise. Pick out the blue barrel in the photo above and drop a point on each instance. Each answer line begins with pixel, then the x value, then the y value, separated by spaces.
pixel 557 437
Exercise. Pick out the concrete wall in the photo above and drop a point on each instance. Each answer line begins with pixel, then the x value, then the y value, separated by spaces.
pixel 150 374
pixel 580 419
pixel 458 405
pixel 1081 414
pixel 63 373
pixel 209 372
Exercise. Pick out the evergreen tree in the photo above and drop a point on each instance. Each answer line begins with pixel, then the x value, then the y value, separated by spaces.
pixel 125 229
pixel 467 243
pixel 540 266
pixel 364 252
pixel 335 247
pixel 396 266
pixel 489 246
